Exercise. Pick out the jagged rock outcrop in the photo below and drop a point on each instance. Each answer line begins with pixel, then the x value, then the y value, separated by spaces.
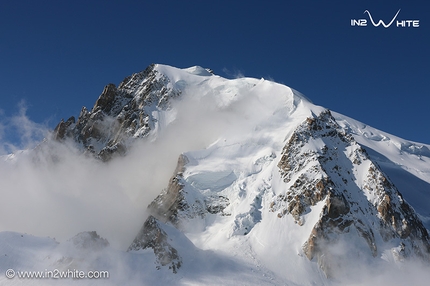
pixel 173 206
pixel 179 201
pixel 171 201
pixel 79 249
pixel 153 236
pixel 370 206
pixel 120 114
pixel 89 240
pixel 62 127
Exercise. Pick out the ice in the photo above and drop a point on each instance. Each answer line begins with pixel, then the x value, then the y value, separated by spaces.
pixel 214 181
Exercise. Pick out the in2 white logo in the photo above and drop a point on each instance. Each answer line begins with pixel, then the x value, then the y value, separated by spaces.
pixel 399 23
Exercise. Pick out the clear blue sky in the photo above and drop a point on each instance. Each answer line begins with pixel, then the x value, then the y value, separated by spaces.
pixel 58 55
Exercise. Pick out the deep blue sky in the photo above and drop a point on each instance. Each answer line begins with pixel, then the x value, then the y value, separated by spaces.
pixel 58 55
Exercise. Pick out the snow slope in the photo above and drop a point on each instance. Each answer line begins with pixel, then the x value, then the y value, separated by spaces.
pixel 407 163
pixel 230 228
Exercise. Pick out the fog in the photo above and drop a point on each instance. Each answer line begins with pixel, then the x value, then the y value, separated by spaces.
pixel 352 263
pixel 53 189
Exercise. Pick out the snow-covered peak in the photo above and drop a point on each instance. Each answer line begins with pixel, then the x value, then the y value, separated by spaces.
pixel 267 183
pixel 198 70
pixel 147 102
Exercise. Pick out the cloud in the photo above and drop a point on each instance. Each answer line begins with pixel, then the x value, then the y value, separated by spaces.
pixel 234 74
pixel 55 190
pixel 19 132
pixel 410 272
pixel 52 189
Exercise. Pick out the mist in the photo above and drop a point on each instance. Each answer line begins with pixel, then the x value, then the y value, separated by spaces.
pixel 53 189
pixel 352 263
pixel 411 271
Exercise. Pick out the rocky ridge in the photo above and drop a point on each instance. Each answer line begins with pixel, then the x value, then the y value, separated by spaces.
pixel 120 114
pixel 370 206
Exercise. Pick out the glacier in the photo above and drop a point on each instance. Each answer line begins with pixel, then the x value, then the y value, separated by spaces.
pixel 269 189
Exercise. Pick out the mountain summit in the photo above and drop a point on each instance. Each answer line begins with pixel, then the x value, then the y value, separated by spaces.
pixel 267 179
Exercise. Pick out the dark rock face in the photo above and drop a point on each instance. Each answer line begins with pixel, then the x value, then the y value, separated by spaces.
pixel 87 247
pixel 350 204
pixel 170 202
pixel 174 205
pixel 120 114
pixel 62 127
pixel 89 240
pixel 107 99
pixel 153 236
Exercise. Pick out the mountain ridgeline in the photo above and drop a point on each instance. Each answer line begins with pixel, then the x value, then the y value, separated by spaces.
pixel 119 115
pixel 302 182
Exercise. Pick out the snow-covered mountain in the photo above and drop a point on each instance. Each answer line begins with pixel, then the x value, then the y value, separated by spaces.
pixel 268 188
